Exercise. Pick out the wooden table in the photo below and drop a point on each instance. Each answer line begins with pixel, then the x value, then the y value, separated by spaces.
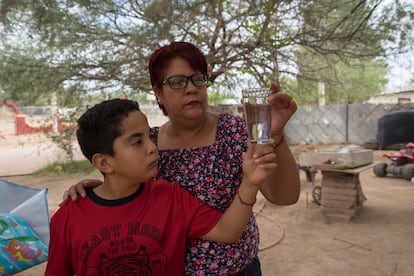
pixel 342 193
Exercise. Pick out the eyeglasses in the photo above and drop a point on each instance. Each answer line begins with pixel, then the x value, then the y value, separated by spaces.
pixel 181 81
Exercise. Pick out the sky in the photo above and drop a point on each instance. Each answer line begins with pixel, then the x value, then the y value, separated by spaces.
pixel 401 72
pixel 401 67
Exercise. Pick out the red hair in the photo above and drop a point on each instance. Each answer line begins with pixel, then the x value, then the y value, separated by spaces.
pixel 161 58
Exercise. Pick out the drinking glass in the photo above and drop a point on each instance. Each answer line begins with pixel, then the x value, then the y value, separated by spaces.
pixel 258 114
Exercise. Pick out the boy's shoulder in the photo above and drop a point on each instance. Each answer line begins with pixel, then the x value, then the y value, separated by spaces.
pixel 69 206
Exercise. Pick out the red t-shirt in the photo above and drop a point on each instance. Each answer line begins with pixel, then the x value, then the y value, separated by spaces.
pixel 143 234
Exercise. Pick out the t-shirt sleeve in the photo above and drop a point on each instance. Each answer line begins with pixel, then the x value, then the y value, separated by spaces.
pixel 202 218
pixel 59 260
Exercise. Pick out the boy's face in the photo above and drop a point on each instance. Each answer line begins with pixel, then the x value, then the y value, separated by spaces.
pixel 136 156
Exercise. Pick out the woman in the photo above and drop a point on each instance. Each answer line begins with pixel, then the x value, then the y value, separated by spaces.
pixel 203 152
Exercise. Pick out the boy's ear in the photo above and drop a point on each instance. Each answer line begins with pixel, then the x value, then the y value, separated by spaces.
pixel 101 162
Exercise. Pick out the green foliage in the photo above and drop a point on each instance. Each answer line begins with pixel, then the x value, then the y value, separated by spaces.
pixel 65 141
pixel 289 85
pixel 349 77
pixel 101 48
pixel 351 82
pixel 217 92
pixel 66 138
pixel 216 98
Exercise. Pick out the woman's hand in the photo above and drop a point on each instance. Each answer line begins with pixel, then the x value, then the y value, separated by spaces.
pixel 79 189
pixel 283 107
pixel 259 162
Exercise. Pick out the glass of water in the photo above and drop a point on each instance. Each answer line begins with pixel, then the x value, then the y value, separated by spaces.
pixel 258 114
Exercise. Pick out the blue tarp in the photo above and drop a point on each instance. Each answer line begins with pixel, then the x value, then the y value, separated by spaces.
pixel 24 227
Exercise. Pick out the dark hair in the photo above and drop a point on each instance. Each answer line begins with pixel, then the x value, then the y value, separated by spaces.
pixel 101 124
pixel 160 59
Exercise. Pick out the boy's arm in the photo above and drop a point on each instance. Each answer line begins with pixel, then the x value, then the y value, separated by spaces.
pixel 59 255
pixel 258 164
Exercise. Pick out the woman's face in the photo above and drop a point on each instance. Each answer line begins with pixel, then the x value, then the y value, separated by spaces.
pixel 188 102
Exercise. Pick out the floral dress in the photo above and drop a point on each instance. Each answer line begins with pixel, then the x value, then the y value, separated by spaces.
pixel 213 174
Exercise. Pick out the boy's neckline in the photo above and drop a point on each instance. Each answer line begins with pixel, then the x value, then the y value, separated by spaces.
pixel 114 202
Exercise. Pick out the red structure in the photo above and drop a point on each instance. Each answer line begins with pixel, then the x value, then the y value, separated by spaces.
pixel 22 127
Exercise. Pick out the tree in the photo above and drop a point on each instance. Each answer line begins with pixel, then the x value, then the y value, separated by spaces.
pixel 348 73
pixel 345 81
pixel 104 45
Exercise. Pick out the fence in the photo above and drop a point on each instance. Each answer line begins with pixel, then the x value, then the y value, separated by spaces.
pixel 330 124
pixel 333 124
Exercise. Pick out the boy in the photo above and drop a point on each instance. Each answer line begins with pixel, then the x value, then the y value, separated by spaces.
pixel 132 224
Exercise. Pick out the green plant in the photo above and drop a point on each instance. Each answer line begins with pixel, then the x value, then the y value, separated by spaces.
pixel 62 168
pixel 65 138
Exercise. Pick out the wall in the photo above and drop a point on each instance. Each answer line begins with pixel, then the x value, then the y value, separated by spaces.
pixel 330 124
pixel 393 98
pixel 333 124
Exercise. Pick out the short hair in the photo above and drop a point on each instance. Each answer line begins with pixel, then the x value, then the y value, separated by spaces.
pixel 161 58
pixel 101 124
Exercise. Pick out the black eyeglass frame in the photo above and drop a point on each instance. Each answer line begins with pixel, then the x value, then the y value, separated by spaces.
pixel 168 80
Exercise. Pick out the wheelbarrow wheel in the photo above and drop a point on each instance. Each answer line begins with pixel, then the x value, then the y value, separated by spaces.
pixel 317 194
pixel 408 171
pixel 380 169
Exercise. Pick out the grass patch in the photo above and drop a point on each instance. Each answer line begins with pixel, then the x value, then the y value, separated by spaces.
pixel 72 168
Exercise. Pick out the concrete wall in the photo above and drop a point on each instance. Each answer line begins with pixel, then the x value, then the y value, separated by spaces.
pixel 404 97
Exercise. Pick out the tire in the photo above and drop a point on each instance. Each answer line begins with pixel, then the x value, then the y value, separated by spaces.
pixel 408 171
pixel 317 194
pixel 395 170
pixel 380 169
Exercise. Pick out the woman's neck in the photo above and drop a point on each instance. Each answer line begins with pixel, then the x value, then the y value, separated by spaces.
pixel 174 135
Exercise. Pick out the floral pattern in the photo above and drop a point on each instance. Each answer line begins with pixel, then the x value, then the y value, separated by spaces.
pixel 213 174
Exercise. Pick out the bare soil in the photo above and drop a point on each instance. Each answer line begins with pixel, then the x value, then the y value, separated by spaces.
pixel 299 240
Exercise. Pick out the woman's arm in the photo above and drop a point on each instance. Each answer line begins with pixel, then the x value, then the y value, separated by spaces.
pixel 282 187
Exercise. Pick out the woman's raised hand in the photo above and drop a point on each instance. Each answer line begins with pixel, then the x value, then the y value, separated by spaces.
pixel 283 108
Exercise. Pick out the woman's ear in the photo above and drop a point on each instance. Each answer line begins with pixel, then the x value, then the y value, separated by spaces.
pixel 157 93
pixel 101 162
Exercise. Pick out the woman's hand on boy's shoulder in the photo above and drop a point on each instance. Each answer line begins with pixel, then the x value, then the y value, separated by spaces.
pixel 79 189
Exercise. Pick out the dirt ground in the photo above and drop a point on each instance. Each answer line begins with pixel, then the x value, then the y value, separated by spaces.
pixel 298 240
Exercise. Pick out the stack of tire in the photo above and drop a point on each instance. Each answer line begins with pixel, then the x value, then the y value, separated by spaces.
pixel 405 171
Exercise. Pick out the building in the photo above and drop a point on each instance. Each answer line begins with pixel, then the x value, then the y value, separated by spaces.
pixel 403 97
